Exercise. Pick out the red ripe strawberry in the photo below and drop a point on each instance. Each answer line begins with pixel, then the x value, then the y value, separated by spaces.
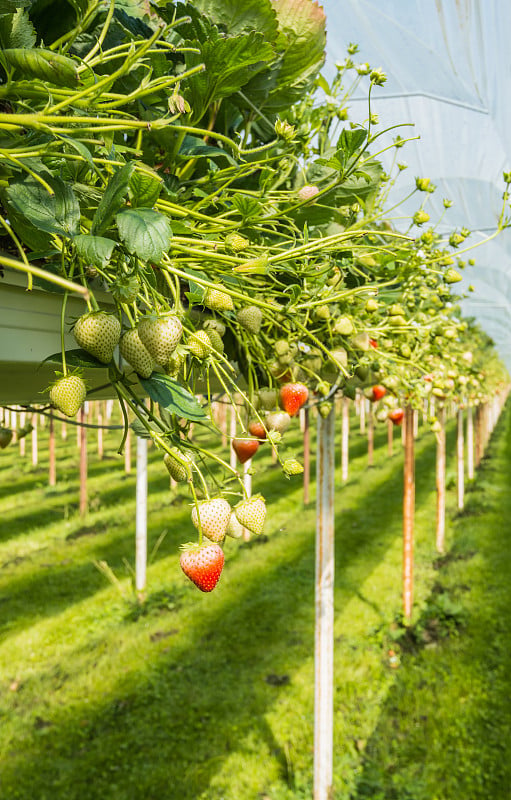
pixel 202 564
pixel 373 343
pixel 377 392
pixel 256 428
pixel 252 513
pixel 292 397
pixel 396 416
pixel 245 448
pixel 214 518
pixel 98 333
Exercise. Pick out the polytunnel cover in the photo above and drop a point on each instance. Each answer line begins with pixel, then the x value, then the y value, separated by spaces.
pixel 448 67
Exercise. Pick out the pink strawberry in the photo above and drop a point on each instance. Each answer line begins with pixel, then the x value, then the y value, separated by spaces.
pixel 278 421
pixel 214 518
pixel 203 564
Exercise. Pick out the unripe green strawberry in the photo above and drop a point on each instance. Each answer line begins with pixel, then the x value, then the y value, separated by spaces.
pixel 125 288
pixel 5 437
pixel 217 300
pixel 292 467
pixel 236 242
pixel 252 513
pixel 200 344
pixel 98 333
pixel 361 341
pixel 267 398
pixel 214 325
pixel 420 217
pixel 250 318
pixel 234 528
pixel 214 516
pixel 67 394
pixel 322 312
pixel 372 305
pixel 278 421
pixel 325 408
pixel 175 363
pixel 216 340
pixel 160 336
pixel 395 310
pixel 179 464
pixel 397 321
pixel 452 276
pixel 343 326
pixel 136 354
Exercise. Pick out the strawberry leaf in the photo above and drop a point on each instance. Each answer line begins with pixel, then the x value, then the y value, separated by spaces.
pixel 113 199
pixel 75 358
pixel 173 397
pixel 145 232
pixel 96 250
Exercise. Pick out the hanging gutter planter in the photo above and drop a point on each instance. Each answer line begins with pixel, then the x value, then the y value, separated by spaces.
pixel 29 333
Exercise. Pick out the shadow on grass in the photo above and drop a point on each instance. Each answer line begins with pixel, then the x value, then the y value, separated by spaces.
pixel 444 728
pixel 172 723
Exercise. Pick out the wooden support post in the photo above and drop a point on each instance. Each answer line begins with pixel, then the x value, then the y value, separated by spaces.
pixel 83 461
pixel 363 402
pixel 52 474
pixel 141 520
pixel 370 437
pixel 345 438
pixel 408 514
pixel 35 418
pixel 306 457
pixel 100 431
pixel 440 481
pixel 23 440
pixel 460 461
pixel 390 437
pixel 223 422
pixel 13 426
pixel 470 443
pixel 477 436
pixel 324 628
pixel 63 430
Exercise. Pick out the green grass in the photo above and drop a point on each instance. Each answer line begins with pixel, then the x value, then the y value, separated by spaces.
pixel 210 697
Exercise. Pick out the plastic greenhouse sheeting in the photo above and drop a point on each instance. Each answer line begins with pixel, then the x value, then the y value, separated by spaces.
pixel 448 66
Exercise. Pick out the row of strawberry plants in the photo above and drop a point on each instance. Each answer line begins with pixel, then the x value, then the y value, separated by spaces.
pixel 198 169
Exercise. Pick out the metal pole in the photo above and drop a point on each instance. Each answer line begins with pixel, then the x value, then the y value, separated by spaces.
pixel 408 514
pixel 306 457
pixel 460 453
pixel 324 630
pixel 470 443
pixel 141 519
pixel 440 481
pixel 345 438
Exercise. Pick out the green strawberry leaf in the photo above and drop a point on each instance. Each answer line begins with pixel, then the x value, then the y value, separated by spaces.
pixel 145 232
pixel 192 146
pixel 58 213
pixel 16 30
pixel 113 199
pixel 140 430
pixel 173 397
pixel 250 15
pixel 10 6
pixel 44 65
pixel 75 358
pixel 95 250
pixel 145 187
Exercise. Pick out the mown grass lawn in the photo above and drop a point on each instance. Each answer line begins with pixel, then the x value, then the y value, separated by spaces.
pixel 210 697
